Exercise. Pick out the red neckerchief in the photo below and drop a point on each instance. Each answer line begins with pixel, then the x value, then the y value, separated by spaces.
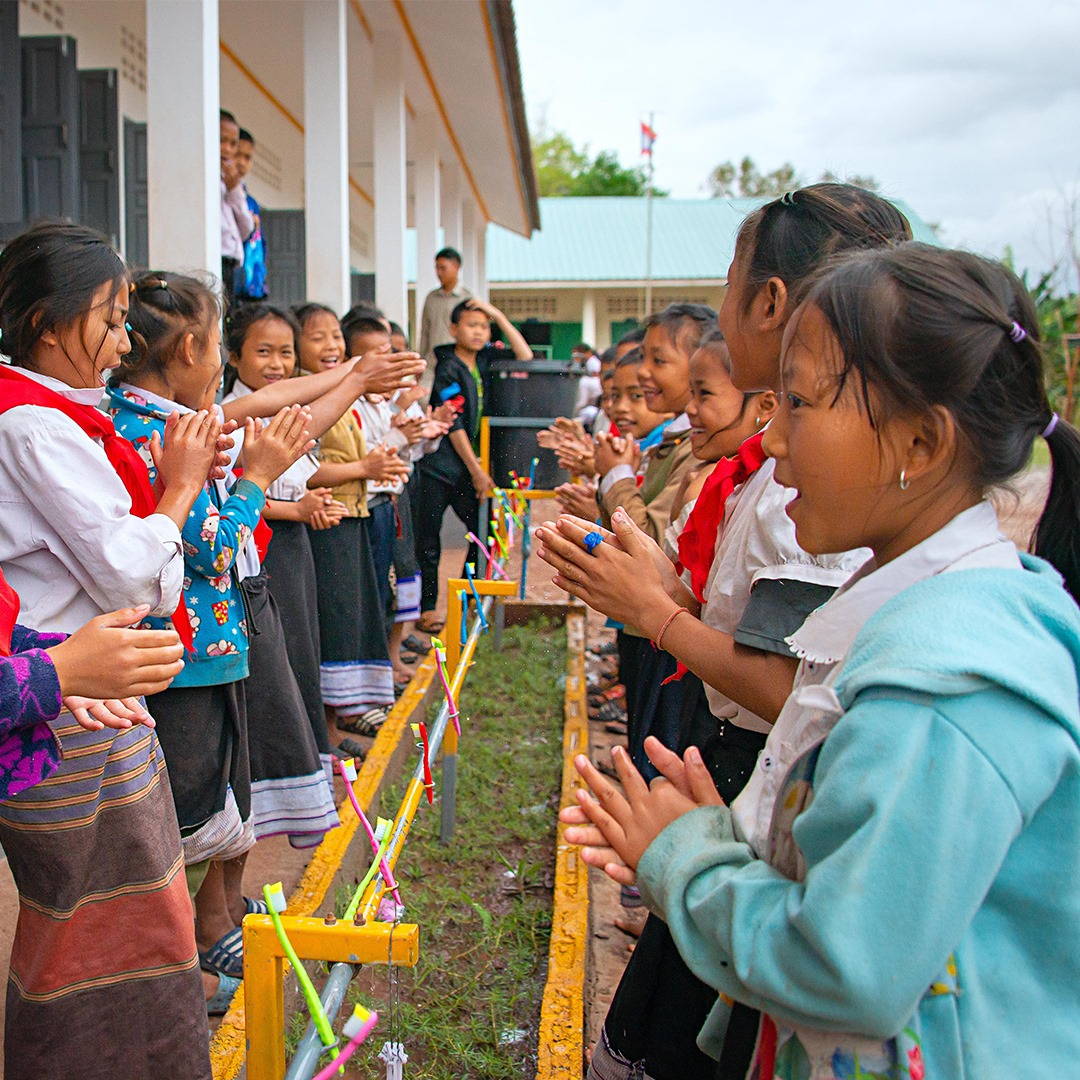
pixel 16 389
pixel 697 542
pixel 9 614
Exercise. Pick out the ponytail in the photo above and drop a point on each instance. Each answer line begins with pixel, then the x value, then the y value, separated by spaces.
pixel 1057 535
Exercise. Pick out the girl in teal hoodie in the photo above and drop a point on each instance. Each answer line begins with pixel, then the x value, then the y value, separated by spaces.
pixel 898 886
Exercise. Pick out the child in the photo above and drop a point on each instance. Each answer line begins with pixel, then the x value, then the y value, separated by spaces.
pixel 452 476
pixel 175 366
pixel 916 375
pixel 627 407
pixel 322 345
pixel 95 852
pixel 754 591
pixel 355 672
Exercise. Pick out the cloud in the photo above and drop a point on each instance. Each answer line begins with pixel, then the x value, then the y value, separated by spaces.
pixel 966 110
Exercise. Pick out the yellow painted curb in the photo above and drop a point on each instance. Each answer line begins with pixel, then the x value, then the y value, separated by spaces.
pixel 228 1047
pixel 562 1014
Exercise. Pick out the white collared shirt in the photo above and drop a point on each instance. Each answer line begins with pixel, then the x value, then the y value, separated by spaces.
pixel 757 542
pixel 69 544
pixel 972 539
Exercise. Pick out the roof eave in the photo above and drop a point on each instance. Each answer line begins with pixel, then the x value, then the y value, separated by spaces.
pixel 501 16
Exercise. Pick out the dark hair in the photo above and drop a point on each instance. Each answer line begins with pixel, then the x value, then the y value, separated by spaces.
pixel 228 116
pixel 164 308
pixel 395 329
pixel 364 309
pixel 460 309
pixel 605 375
pixel 582 346
pixel 449 253
pixel 48 277
pixel 608 355
pixel 715 342
pixel 303 312
pixel 926 327
pixel 635 336
pixel 361 324
pixel 792 236
pixel 685 324
pixel 630 359
pixel 246 136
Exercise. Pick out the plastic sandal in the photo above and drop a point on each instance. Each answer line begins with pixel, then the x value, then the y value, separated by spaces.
pixel 433 627
pixel 255 907
pixel 630 896
pixel 366 724
pixel 218 1005
pixel 612 693
pixel 350 748
pixel 616 727
pixel 409 657
pixel 413 643
pixel 610 712
pixel 226 956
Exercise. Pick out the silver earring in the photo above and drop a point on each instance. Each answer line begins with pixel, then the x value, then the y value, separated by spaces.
pixel 905 483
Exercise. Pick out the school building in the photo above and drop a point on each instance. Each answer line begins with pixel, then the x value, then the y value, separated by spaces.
pixel 581 277
pixel 370 117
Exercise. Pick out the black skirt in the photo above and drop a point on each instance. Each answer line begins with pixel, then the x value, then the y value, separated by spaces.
pixel 290 788
pixel 203 732
pixel 355 671
pixel 660 1005
pixel 290 569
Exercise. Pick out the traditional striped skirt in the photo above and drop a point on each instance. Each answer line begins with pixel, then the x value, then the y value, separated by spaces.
pixel 104 977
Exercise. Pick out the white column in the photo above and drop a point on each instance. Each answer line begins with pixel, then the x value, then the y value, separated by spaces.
pixel 452 206
pixel 481 277
pixel 588 318
pixel 390 177
pixel 468 245
pixel 326 154
pixel 426 209
pixel 183 155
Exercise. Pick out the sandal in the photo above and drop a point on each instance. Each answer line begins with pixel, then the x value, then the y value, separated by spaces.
pixel 610 712
pixel 218 1005
pixel 416 645
pixel 607 770
pixel 365 723
pixel 255 907
pixel 409 657
pixel 350 748
pixel 609 648
pixel 612 693
pixel 226 955
pixel 616 727
pixel 433 627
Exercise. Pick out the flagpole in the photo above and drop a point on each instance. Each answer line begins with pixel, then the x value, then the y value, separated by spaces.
pixel 649 222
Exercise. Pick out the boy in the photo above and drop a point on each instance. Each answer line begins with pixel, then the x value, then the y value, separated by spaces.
pixel 452 475
pixel 250 283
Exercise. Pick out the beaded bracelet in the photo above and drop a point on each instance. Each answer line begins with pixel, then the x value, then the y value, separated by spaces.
pixel 667 622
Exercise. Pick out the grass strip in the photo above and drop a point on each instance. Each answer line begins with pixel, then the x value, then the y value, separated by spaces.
pixel 471 1007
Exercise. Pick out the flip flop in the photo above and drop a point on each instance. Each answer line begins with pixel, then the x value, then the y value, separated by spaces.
pixel 218 1005
pixel 409 657
pixel 433 627
pixel 416 645
pixel 612 693
pixel 255 907
pixel 366 723
pixel 226 955
pixel 616 727
pixel 610 712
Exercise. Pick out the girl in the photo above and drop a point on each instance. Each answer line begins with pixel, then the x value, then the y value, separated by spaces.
pixel 322 345
pixel 916 375
pixel 356 677
pixel 753 592
pixel 94 849
pixel 175 366
pixel 263 347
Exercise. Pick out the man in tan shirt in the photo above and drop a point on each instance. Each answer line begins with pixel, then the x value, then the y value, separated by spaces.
pixel 438 304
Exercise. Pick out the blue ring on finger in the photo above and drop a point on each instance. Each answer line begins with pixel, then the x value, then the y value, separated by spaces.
pixel 592 541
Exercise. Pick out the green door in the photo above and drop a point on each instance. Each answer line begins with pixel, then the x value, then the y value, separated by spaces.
pixel 623 326
pixel 564 336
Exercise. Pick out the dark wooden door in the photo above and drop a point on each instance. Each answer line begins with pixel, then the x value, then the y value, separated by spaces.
pixel 99 153
pixel 11 193
pixel 286 272
pixel 50 128
pixel 136 203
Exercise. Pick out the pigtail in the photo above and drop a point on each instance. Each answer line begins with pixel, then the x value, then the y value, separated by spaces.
pixel 1057 535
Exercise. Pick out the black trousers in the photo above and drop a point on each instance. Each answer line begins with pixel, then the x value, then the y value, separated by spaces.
pixel 433 496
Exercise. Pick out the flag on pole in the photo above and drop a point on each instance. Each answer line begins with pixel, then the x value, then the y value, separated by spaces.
pixel 648 137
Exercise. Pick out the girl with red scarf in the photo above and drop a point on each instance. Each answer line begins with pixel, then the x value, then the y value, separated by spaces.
pixel 103 979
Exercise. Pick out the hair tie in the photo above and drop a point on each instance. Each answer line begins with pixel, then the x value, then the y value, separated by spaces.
pixel 1049 429
pixel 1017 333
pixel 787 199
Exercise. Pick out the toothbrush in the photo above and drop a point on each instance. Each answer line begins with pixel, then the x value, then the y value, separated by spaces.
pixel 347 768
pixel 274 895
pixel 440 667
pixel 357 1028
pixel 420 730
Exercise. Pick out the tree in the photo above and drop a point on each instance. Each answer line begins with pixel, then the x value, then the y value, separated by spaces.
pixel 564 169
pixel 728 180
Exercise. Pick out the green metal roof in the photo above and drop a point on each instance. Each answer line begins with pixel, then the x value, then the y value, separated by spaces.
pixel 602 238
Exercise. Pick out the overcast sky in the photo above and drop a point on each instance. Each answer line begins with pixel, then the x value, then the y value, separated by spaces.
pixel 968 111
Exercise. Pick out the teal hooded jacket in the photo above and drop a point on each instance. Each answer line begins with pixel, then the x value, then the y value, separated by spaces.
pixel 936 932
